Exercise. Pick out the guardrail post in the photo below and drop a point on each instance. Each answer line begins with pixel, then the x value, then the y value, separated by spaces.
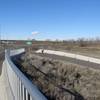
pixel 23 92
pixel 20 90
pixel 17 87
pixel 31 98
pixel 26 95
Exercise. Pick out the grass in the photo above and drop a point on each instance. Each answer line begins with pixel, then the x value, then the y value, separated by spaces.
pixel 85 81
pixel 89 49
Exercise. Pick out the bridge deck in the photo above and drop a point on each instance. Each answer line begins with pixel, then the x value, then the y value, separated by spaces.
pixel 3 85
pixel 3 88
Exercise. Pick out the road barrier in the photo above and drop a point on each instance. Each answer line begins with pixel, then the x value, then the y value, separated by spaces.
pixel 70 55
pixel 21 88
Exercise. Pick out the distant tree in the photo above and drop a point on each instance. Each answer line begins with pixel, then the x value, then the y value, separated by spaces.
pixel 34 40
pixel 82 42
pixel 48 40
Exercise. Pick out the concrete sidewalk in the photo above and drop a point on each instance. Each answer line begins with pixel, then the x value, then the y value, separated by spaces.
pixel 5 91
pixel 3 85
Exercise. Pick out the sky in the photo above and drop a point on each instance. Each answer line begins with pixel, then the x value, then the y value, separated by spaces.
pixel 49 19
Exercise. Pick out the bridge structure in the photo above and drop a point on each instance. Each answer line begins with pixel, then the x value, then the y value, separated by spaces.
pixel 14 85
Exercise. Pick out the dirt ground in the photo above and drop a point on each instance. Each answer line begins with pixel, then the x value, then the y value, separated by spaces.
pixel 54 77
pixel 60 80
pixel 89 49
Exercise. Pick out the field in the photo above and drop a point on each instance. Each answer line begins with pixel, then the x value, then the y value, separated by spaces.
pixel 89 49
pixel 58 79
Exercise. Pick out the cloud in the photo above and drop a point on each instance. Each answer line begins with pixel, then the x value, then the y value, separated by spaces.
pixel 35 32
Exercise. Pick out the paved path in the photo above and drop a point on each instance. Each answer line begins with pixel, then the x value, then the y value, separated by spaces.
pixel 2 80
pixel 3 85
pixel 71 60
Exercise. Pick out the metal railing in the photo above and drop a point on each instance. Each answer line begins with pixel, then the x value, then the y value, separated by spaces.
pixel 21 88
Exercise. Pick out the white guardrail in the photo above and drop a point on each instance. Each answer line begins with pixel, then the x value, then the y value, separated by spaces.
pixel 70 55
pixel 20 87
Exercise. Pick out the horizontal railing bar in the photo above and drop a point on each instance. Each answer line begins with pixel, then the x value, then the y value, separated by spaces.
pixel 31 88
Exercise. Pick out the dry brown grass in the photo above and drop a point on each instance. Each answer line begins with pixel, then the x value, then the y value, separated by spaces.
pixel 85 81
pixel 91 48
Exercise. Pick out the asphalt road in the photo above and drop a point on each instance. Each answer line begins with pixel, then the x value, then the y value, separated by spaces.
pixel 71 60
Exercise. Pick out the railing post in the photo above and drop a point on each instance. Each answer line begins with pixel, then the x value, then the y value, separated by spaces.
pixel 31 98
pixel 23 92
pixel 26 95
pixel 20 90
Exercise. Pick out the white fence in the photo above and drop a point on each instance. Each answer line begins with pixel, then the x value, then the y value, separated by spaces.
pixel 20 87
pixel 70 55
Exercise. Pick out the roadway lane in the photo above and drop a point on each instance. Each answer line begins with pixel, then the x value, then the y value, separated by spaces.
pixel 71 60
